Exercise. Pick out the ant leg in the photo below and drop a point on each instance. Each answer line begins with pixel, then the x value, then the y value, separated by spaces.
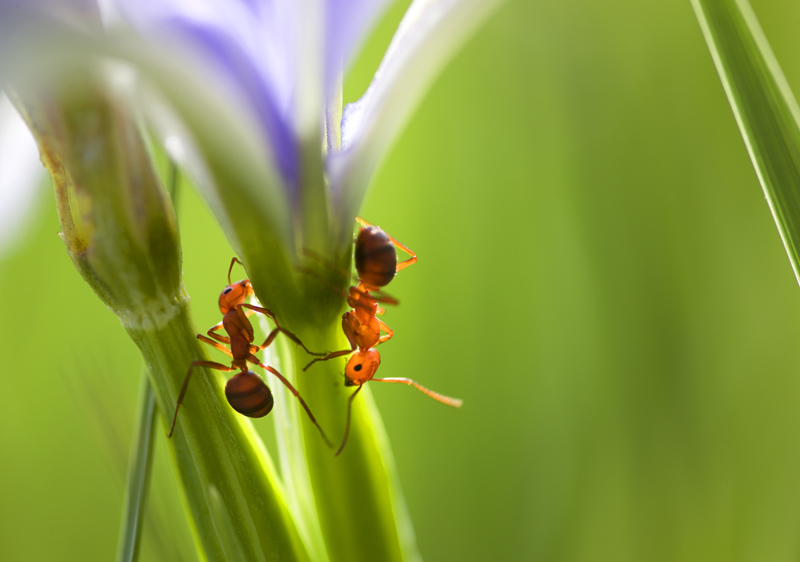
pixel 322 280
pixel 271 336
pixel 293 390
pixel 296 340
pixel 230 269
pixel 206 364
pixel 454 402
pixel 403 264
pixel 265 311
pixel 212 343
pixel 269 340
pixel 331 355
pixel 382 297
pixel 347 425
pixel 358 304
pixel 324 261
pixel 387 329
pixel 212 333
pixel 350 324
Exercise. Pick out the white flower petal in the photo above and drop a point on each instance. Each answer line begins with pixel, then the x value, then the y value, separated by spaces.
pixel 21 174
pixel 261 31
pixel 429 34
pixel 348 23
pixel 308 43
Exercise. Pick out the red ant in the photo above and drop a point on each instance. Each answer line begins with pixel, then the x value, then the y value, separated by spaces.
pixel 246 392
pixel 376 264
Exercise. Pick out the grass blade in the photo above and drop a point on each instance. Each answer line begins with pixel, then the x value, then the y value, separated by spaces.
pixel 138 474
pixel 764 107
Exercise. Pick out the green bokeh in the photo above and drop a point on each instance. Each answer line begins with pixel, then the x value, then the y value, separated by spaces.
pixel 599 279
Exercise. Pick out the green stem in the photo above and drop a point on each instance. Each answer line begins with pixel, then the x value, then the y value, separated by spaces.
pixel 361 509
pixel 120 231
pixel 229 483
pixel 141 461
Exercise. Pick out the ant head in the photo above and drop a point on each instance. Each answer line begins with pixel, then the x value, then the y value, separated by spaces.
pixel 361 367
pixel 249 395
pixel 234 295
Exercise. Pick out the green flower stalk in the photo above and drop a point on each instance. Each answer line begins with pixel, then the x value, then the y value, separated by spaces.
pixel 120 231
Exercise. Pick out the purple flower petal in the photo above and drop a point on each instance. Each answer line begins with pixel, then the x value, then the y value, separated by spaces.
pixel 270 52
pixel 247 47
pixel 234 70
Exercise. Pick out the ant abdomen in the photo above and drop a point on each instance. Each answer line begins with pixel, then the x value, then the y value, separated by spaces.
pixel 249 395
pixel 376 257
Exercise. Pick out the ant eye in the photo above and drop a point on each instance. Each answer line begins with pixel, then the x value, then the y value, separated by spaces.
pixel 226 291
pixel 358 367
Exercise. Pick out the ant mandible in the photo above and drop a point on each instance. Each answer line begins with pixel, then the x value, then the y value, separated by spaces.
pixel 376 265
pixel 246 392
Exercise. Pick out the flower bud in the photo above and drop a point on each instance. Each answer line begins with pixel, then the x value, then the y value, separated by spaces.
pixel 117 222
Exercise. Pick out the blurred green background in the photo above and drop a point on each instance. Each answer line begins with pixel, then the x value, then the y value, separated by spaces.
pixel 599 279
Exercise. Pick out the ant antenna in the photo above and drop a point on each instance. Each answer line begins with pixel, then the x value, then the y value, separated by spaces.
pixel 454 402
pixel 292 389
pixel 230 269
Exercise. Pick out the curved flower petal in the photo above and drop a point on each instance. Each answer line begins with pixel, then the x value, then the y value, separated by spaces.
pixel 346 27
pixel 250 49
pixel 427 36
pixel 21 173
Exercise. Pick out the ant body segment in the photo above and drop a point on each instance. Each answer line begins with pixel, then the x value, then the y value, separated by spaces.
pixel 246 392
pixel 376 257
pixel 376 264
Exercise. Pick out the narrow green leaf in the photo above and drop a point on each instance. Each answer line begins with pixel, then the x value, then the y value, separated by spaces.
pixel 764 107
pixel 139 471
